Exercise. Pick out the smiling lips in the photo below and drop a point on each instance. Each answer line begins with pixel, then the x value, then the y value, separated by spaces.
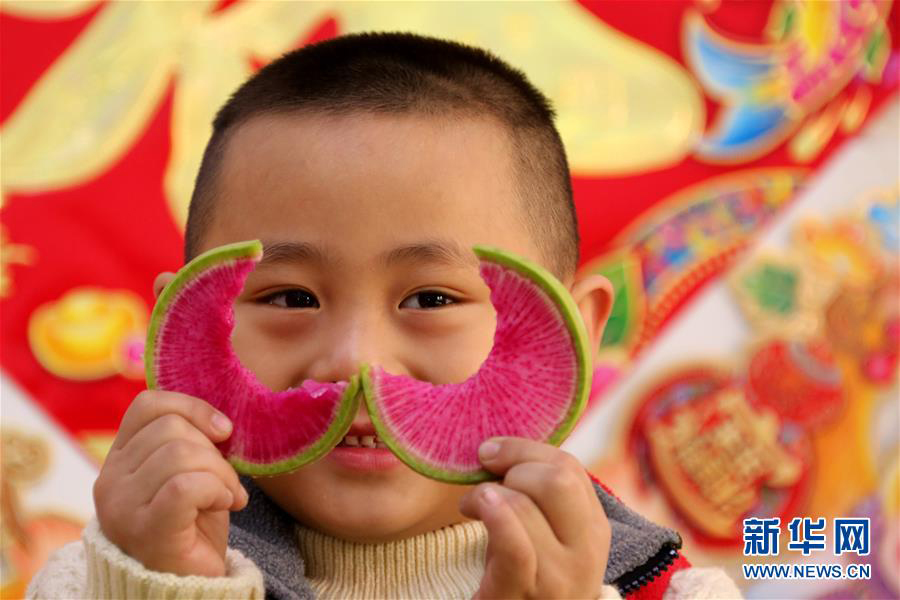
pixel 362 450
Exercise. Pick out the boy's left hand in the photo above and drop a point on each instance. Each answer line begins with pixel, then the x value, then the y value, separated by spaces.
pixel 548 536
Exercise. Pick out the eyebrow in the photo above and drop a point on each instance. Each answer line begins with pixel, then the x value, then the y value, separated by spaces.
pixel 275 253
pixel 433 251
pixel 430 251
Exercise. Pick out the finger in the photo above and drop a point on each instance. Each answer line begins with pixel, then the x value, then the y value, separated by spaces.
pixel 511 559
pixel 485 499
pixel 500 454
pixel 557 493
pixel 178 501
pixel 152 404
pixel 180 456
pixel 161 431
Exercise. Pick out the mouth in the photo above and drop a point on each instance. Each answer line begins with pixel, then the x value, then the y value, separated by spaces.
pixel 362 441
pixel 362 451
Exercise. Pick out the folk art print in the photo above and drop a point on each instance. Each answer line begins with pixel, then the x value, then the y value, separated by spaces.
pixel 692 127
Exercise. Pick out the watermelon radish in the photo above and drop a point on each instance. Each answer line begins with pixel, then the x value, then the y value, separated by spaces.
pixel 533 384
pixel 189 351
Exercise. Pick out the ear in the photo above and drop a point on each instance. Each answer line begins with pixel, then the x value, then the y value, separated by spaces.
pixel 161 281
pixel 594 296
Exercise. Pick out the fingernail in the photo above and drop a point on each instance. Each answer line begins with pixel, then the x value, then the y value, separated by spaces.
pixel 244 495
pixel 488 450
pixel 491 496
pixel 221 423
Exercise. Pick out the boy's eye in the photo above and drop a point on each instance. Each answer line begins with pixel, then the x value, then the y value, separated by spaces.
pixel 427 300
pixel 292 299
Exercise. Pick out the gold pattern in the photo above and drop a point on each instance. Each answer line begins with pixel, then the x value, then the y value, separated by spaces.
pixel 623 106
pixel 11 254
pixel 82 335
pixel 714 455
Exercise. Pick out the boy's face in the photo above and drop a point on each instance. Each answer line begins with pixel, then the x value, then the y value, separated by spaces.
pixel 374 216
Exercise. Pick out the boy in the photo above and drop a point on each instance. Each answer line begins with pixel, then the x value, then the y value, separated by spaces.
pixel 368 165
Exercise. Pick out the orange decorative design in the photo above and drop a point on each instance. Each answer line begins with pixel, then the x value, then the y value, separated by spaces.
pixel 84 333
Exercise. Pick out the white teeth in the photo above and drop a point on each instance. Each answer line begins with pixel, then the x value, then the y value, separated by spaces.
pixel 363 441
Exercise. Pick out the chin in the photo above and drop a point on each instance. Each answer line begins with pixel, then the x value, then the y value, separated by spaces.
pixel 372 514
pixel 365 508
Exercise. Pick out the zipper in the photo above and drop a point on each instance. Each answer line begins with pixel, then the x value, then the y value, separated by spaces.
pixel 637 578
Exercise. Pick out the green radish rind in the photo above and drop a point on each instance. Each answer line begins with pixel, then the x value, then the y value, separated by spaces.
pixel 400 451
pixel 568 310
pixel 563 300
pixel 249 250
pixel 349 405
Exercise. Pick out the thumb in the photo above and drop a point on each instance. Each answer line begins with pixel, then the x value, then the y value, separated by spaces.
pixel 510 562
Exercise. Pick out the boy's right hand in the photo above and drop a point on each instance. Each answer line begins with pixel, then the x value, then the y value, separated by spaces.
pixel 164 491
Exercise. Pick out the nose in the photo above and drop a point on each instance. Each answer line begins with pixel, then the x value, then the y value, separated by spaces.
pixel 347 342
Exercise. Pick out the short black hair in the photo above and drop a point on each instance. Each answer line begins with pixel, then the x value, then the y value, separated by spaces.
pixel 403 73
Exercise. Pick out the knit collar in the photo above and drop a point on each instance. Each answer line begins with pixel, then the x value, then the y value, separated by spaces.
pixel 266 534
pixel 445 563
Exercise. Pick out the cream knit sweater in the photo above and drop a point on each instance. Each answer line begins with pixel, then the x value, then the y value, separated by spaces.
pixel 442 564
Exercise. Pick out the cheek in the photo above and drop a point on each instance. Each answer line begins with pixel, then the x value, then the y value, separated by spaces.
pixel 444 346
pixel 448 348
pixel 275 348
